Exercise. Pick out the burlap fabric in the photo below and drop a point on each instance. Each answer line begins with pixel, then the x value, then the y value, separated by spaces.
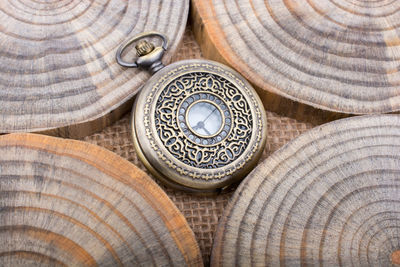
pixel 202 213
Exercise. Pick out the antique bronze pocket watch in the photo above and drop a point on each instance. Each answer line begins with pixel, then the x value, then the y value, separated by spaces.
pixel 197 125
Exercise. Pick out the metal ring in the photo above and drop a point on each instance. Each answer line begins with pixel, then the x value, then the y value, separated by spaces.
pixel 136 38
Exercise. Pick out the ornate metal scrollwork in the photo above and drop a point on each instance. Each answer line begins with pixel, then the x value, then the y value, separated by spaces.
pixel 186 144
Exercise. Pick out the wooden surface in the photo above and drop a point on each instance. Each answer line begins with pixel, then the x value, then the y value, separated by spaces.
pixel 58 70
pixel 65 202
pixel 330 197
pixel 335 55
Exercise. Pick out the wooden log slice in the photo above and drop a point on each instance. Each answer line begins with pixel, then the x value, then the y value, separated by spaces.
pixel 66 202
pixel 331 197
pixel 58 69
pixel 340 56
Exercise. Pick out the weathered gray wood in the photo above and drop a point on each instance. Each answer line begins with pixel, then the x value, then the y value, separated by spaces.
pixel 58 70
pixel 302 56
pixel 330 197
pixel 65 202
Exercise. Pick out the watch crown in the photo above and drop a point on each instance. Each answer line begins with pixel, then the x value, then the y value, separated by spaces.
pixel 143 48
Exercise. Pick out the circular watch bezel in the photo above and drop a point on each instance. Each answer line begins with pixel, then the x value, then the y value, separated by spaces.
pixel 162 163
pixel 222 110
pixel 196 132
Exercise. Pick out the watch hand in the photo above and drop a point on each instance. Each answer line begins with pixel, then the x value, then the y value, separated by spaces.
pixel 200 125
pixel 210 114
pixel 207 132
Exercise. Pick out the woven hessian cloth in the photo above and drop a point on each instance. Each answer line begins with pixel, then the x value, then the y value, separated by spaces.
pixel 202 213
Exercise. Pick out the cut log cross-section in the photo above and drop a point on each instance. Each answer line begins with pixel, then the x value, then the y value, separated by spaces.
pixel 328 198
pixel 65 202
pixel 58 71
pixel 309 59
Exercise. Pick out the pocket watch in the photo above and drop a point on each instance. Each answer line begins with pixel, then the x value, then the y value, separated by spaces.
pixel 197 125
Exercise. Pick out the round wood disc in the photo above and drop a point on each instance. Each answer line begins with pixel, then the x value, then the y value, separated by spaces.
pixel 58 69
pixel 337 55
pixel 66 202
pixel 330 197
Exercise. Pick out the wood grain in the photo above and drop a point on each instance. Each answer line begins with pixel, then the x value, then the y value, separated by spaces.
pixel 310 59
pixel 330 197
pixel 65 202
pixel 58 72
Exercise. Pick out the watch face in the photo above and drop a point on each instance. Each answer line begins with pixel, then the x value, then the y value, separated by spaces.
pixel 203 118
pixel 199 124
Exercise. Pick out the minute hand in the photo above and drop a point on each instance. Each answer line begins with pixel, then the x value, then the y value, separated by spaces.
pixel 209 115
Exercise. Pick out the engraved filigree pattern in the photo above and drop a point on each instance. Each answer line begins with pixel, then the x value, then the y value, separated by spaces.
pixel 222 173
pixel 188 146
